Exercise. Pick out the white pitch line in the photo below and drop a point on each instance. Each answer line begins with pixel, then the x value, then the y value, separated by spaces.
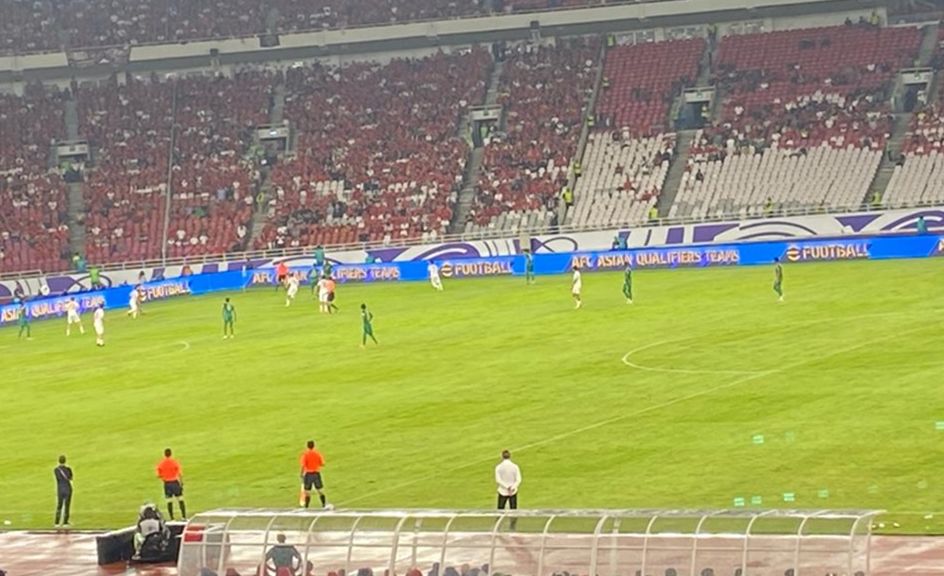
pixel 632 364
pixel 185 347
pixel 614 419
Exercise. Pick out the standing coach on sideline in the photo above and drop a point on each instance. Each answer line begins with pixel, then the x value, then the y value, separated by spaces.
pixel 63 476
pixel 169 471
pixel 508 478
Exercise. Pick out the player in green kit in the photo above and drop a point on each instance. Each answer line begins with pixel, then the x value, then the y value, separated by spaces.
pixel 778 279
pixel 22 319
pixel 628 284
pixel 528 267
pixel 229 319
pixel 367 318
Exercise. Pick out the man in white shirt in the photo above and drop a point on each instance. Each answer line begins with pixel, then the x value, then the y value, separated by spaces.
pixel 434 278
pixel 323 304
pixel 72 317
pixel 292 289
pixel 576 286
pixel 98 322
pixel 508 478
pixel 134 302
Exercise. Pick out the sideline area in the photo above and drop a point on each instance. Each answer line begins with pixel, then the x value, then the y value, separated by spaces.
pixel 73 554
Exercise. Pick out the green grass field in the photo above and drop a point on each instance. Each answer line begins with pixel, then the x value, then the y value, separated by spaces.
pixel 651 405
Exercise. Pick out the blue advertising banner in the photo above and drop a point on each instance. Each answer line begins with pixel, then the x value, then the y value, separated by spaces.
pixel 694 256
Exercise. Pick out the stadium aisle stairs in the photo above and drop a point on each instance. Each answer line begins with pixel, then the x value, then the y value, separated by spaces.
pixel 886 170
pixel 474 165
pixel 892 150
pixel 276 115
pixel 76 194
pixel 673 179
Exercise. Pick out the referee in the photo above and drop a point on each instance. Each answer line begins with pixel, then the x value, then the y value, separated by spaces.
pixel 508 478
pixel 311 463
pixel 168 470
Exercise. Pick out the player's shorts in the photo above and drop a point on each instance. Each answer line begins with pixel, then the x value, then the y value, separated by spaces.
pixel 330 296
pixel 99 329
pixel 323 297
pixel 281 278
pixel 292 291
pixel 173 489
pixel 312 479
pixel 72 318
pixel 575 291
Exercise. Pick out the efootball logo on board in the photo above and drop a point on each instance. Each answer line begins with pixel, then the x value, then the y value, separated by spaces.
pixel 857 250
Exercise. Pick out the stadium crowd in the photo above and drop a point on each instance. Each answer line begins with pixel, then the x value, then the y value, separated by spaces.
pixel 812 103
pixel 544 91
pixel 379 154
pixel 214 176
pixel 128 125
pixel 31 26
pixel 34 233
pixel 629 151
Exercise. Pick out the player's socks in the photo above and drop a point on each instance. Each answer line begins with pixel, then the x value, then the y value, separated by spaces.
pixel 323 500
pixel 307 500
pixel 183 510
pixel 170 510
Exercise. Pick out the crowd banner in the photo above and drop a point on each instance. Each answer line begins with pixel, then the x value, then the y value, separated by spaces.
pixel 693 256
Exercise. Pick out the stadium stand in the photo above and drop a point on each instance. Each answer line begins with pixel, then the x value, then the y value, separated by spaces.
pixel 26 27
pixel 215 179
pixel 93 23
pixel 33 203
pixel 128 125
pixel 30 26
pixel 811 103
pixel 627 156
pixel 918 170
pixel 544 91
pixel 378 153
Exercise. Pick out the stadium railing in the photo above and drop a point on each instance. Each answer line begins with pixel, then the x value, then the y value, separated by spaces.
pixel 276 253
pixel 533 543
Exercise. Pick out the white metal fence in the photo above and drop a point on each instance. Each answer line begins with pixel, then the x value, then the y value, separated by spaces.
pixel 533 543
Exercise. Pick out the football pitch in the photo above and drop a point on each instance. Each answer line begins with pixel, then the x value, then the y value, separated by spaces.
pixel 703 391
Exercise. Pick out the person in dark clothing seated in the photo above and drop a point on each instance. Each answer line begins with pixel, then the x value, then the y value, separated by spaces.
pixel 152 537
pixel 283 558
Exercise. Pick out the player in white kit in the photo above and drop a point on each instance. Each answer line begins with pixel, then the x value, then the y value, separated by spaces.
pixel 98 322
pixel 72 317
pixel 134 302
pixel 434 278
pixel 323 303
pixel 576 286
pixel 291 289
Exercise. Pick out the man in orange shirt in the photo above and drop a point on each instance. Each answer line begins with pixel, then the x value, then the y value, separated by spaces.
pixel 169 471
pixel 330 286
pixel 281 274
pixel 311 463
